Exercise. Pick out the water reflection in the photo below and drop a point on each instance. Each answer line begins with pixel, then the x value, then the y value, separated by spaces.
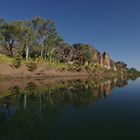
pixel 30 110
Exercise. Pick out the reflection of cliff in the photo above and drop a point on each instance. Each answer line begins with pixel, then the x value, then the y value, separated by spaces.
pixel 106 87
pixel 31 111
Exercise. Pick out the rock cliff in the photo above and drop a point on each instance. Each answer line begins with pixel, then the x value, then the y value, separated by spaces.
pixel 83 54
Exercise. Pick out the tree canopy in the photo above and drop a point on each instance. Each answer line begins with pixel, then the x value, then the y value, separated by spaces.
pixel 25 35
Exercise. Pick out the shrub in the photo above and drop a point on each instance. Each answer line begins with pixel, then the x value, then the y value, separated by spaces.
pixel 17 62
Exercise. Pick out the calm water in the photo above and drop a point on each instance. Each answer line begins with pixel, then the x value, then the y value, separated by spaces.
pixel 66 109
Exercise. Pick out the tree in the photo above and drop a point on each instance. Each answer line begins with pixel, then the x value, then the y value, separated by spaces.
pixel 1 36
pixel 86 50
pixel 43 29
pixel 53 41
pixel 132 70
pixel 27 37
pixel 1 21
pixel 10 33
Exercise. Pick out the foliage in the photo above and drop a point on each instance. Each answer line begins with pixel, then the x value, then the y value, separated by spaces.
pixel 87 50
pixel 4 58
pixel 17 62
pixel 133 71
pixel 28 37
pixel 9 35
pixel 46 34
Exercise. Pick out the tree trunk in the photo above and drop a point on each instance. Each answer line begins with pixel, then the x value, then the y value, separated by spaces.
pixel 51 57
pixel 11 50
pixel 51 54
pixel 41 54
pixel 42 51
pixel 27 52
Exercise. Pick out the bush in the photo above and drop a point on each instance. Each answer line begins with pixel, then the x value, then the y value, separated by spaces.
pixel 17 62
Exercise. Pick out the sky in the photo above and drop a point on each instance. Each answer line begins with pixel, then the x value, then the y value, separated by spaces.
pixel 112 26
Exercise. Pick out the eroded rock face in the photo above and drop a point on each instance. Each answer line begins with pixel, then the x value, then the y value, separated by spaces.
pixel 112 65
pixel 83 54
pixel 95 57
pixel 77 54
pixel 90 53
pixel 70 55
pixel 121 66
pixel 105 60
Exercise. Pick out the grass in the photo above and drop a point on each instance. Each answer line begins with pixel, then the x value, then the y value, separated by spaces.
pixel 4 58
pixel 64 66
pixel 32 64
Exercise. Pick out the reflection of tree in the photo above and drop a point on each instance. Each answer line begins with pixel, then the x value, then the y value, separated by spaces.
pixel 32 113
pixel 32 123
pixel 121 81
pixel 133 77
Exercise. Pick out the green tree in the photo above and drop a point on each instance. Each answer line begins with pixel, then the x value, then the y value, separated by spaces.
pixel 27 37
pixel 43 29
pixel 1 21
pixel 10 34
pixel 53 41
pixel 86 50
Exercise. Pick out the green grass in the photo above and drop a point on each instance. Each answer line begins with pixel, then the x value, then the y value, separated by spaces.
pixel 4 58
pixel 62 66
pixel 32 64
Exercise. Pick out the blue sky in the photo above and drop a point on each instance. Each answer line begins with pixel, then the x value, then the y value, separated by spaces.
pixel 110 25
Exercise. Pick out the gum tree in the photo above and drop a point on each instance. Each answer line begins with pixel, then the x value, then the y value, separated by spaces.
pixel 10 35
pixel 27 37
pixel 43 29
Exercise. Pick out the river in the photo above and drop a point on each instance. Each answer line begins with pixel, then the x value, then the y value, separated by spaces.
pixel 70 109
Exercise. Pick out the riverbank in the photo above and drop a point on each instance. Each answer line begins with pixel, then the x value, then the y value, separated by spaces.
pixel 45 70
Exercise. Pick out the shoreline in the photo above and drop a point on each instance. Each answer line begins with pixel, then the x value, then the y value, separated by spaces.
pixel 44 71
pixel 66 74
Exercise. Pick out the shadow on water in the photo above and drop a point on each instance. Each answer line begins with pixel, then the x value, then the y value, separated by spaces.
pixel 30 109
